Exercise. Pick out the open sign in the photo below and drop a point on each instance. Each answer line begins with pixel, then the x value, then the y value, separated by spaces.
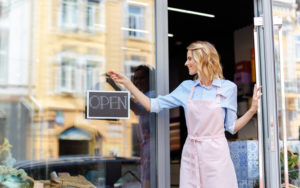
pixel 108 105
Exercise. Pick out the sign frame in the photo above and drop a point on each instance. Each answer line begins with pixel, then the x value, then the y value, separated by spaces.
pixel 106 118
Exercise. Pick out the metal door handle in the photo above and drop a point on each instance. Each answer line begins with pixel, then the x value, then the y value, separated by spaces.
pixel 257 23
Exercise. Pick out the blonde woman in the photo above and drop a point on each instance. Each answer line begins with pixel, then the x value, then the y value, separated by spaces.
pixel 210 104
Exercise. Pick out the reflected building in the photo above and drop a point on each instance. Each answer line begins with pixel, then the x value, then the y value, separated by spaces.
pixel 59 49
pixel 289 11
pixel 16 70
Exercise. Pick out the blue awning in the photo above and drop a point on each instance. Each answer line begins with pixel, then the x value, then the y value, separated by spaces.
pixel 74 133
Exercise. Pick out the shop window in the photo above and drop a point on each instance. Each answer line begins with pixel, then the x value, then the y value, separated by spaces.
pixel 69 14
pixel 3 55
pixel 298 48
pixel 136 22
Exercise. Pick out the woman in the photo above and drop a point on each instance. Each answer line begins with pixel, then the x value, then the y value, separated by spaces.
pixel 210 103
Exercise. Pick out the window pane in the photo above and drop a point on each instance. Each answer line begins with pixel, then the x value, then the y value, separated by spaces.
pixel 66 51
pixel 288 88
pixel 136 21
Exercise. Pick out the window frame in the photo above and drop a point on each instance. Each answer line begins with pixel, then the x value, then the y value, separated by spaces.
pixel 77 84
pixel 74 66
pixel 140 26
pixel 4 33
pixel 297 46
pixel 99 69
pixel 69 16
pixel 97 10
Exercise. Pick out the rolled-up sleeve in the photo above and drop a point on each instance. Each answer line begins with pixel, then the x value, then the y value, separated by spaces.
pixel 230 119
pixel 230 105
pixel 154 105
pixel 172 100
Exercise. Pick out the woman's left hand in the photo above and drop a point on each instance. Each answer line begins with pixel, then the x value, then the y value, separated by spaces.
pixel 255 99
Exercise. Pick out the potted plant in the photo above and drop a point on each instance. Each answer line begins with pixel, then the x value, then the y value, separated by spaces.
pixel 293 167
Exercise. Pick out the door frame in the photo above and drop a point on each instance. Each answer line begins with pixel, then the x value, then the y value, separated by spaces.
pixel 270 152
pixel 270 134
pixel 162 88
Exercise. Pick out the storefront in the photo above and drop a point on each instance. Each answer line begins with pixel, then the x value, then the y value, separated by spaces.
pixel 53 52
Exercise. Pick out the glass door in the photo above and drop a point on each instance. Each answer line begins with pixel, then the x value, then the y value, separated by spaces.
pixel 267 67
pixel 287 76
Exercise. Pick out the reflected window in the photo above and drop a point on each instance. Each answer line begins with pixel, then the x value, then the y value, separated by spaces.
pixel 77 73
pixel 3 121
pixel 292 115
pixel 130 66
pixel 92 14
pixel 92 72
pixel 3 55
pixel 68 70
pixel 132 62
pixel 69 14
pixel 298 105
pixel 297 48
pixel 136 22
pixel 4 7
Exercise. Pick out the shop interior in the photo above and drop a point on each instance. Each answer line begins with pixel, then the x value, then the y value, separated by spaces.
pixel 231 31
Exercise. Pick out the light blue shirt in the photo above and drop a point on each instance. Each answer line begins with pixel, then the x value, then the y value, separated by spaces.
pixel 180 95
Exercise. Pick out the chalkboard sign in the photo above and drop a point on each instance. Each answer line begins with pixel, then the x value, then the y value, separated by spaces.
pixel 108 105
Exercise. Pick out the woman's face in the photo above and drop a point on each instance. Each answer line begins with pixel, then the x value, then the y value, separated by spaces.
pixel 190 63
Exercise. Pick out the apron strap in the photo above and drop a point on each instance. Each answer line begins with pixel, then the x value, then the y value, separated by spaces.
pixel 192 92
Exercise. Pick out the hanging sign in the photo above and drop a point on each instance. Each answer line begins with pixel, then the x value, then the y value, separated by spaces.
pixel 107 105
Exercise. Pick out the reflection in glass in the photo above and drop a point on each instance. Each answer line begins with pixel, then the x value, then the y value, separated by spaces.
pixel 287 84
pixel 59 50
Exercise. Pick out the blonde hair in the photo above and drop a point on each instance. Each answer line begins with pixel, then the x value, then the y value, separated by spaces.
pixel 207 60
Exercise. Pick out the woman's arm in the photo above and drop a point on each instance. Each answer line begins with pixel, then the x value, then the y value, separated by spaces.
pixel 242 121
pixel 121 79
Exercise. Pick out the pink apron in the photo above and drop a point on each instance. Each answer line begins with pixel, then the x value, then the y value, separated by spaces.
pixel 206 161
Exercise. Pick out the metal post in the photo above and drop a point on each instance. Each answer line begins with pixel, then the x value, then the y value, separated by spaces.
pixel 272 162
pixel 162 85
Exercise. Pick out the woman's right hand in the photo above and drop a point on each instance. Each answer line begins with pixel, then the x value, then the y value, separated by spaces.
pixel 140 97
pixel 119 78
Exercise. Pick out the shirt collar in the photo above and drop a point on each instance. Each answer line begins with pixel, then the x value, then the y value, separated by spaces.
pixel 216 82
